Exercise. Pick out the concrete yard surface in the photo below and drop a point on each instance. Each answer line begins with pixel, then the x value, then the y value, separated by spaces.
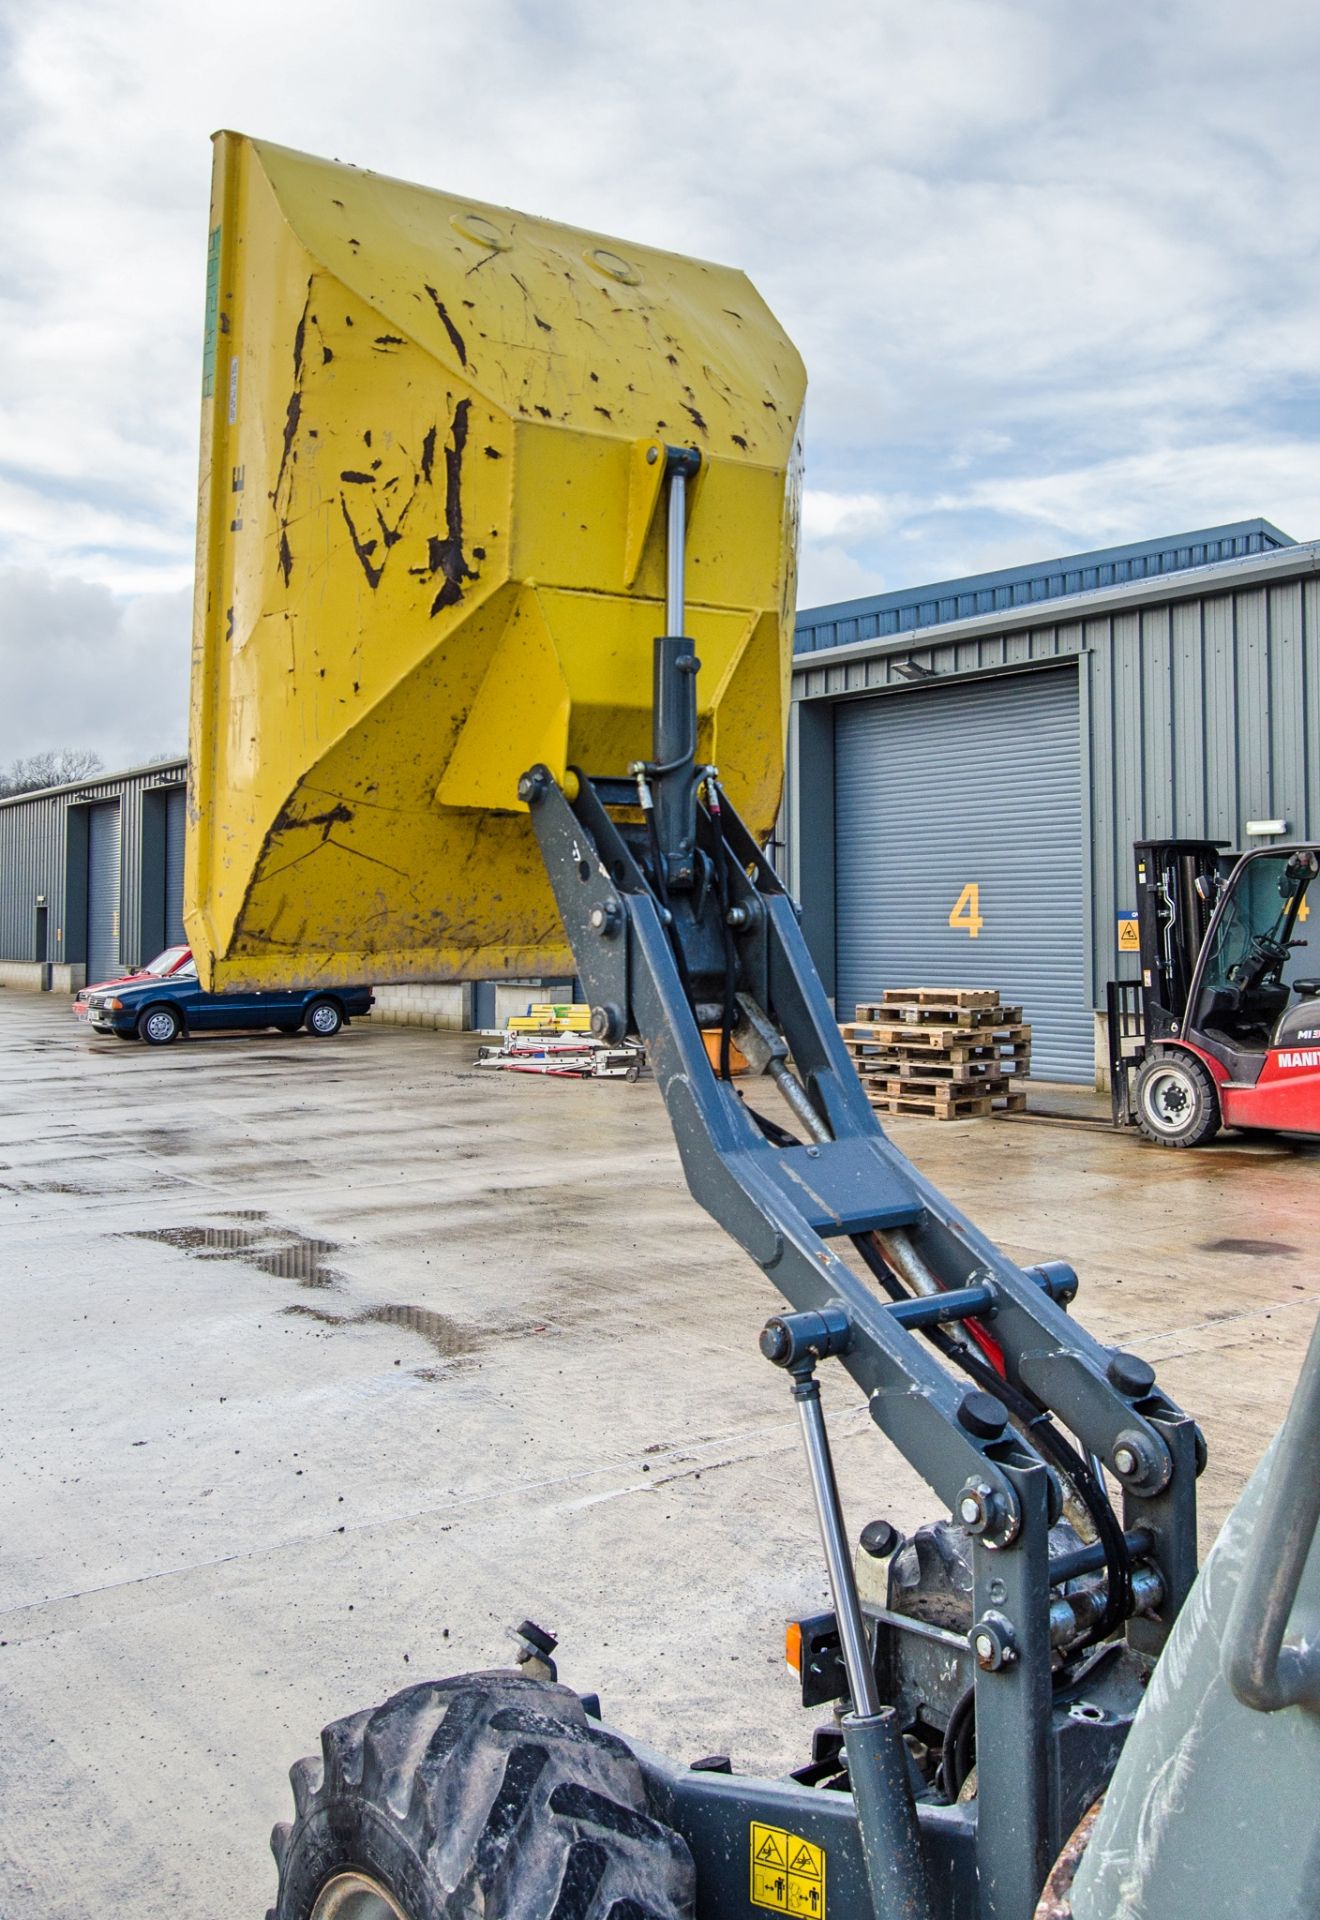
pixel 324 1363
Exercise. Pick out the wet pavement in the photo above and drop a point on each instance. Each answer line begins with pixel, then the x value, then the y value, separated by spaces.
pixel 325 1362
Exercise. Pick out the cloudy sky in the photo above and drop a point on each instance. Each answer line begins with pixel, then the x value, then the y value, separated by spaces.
pixel 1053 266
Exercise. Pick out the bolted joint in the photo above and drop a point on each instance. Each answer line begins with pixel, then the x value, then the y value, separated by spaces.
pixel 606 919
pixel 992 1643
pixel 974 1503
pixel 608 1024
pixel 1057 1278
pixel 1130 1374
pixel 982 1415
pixel 985 1514
pixel 879 1538
pixel 800 1339
pixel 534 785
pixel 1137 1464
pixel 536 1646
pixel 682 460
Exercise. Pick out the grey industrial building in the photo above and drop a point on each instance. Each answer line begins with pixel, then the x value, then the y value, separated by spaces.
pixel 971 762
pixel 91 876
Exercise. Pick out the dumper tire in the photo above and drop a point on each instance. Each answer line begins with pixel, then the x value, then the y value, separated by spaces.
pixel 485 1797
pixel 1175 1100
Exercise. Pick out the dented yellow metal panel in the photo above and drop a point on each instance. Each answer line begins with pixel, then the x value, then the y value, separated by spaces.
pixel 431 552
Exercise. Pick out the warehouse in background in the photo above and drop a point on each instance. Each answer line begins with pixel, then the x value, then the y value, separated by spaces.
pixel 91 885
pixel 91 877
pixel 970 763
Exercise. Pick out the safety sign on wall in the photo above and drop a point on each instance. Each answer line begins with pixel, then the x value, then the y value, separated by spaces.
pixel 1128 940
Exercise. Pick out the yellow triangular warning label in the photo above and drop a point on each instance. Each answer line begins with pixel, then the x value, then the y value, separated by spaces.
pixel 770 1853
pixel 805 1860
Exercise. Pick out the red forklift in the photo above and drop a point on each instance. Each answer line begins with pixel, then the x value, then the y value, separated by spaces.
pixel 1219 1031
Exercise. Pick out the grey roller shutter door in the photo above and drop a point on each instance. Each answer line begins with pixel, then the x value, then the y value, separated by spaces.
pixel 949 788
pixel 176 815
pixel 103 892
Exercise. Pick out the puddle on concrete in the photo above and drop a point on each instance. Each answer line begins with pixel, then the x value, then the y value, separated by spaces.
pixel 448 1337
pixel 445 1335
pixel 199 1239
pixel 1256 1249
pixel 452 1339
pixel 303 1262
pixel 281 1252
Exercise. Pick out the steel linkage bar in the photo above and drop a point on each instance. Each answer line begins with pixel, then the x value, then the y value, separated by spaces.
pixel 785 1204
pixel 679 924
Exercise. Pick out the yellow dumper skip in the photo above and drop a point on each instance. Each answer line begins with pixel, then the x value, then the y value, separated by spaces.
pixel 431 553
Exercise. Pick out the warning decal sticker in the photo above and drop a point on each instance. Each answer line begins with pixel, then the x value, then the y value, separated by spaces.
pixel 788 1873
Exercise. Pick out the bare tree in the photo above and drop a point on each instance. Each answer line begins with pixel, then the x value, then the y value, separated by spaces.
pixel 53 769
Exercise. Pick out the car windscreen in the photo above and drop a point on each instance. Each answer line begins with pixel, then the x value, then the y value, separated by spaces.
pixel 164 962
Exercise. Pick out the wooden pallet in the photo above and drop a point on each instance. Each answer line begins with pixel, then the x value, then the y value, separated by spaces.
pixel 938 1014
pixel 983 1061
pixel 872 1033
pixel 928 997
pixel 950 1053
pixel 973 1078
pixel 959 1106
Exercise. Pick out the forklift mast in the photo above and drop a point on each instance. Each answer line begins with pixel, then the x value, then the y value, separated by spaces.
pixel 1178 885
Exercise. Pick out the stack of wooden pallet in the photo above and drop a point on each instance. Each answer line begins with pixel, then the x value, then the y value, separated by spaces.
pixel 950 1052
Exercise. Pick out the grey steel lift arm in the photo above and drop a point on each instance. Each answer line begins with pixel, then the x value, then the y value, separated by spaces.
pixel 678 923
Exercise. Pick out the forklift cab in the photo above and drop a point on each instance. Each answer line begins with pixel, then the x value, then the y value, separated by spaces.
pixel 1244 985
pixel 1229 1018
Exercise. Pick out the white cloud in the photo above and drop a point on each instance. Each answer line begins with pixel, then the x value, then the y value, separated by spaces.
pixel 828 572
pixel 970 524
pixel 839 516
pixel 81 668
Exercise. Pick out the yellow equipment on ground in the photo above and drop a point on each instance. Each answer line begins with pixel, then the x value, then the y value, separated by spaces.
pixel 430 556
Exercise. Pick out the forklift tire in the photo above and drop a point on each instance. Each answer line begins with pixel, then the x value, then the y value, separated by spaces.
pixel 1175 1101
pixel 486 1797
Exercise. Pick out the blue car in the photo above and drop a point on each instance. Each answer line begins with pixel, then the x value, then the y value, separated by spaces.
pixel 159 1011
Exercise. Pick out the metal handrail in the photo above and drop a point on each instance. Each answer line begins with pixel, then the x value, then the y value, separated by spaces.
pixel 1266 1672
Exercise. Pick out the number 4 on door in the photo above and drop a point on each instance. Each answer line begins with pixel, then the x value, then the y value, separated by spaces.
pixel 966 915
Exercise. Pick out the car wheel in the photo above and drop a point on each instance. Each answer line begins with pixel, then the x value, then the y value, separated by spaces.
pixel 158 1026
pixel 323 1018
pixel 1176 1101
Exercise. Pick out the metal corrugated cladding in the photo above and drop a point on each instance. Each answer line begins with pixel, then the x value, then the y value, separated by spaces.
pixel 103 889
pixel 176 819
pixel 1199 711
pixel 927 800
pixel 882 615
pixel 44 851
pixel 31 865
